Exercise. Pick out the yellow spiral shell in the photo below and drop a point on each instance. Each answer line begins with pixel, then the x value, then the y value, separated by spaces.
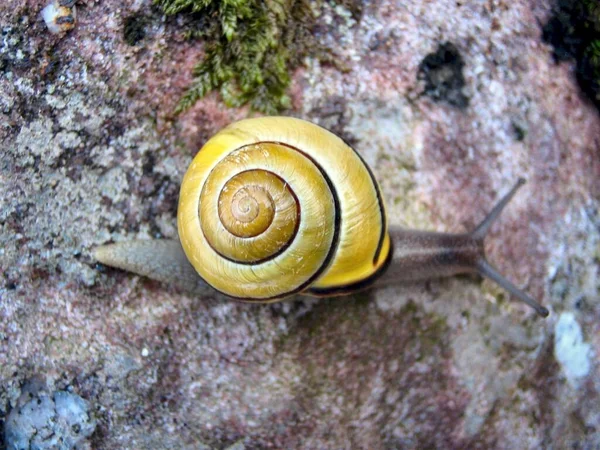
pixel 273 206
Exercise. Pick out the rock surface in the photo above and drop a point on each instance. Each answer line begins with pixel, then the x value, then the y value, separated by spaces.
pixel 91 153
pixel 48 421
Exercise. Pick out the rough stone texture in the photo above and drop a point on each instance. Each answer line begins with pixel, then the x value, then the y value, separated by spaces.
pixel 91 152
pixel 47 421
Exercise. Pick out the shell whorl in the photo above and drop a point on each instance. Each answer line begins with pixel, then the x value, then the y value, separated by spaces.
pixel 273 206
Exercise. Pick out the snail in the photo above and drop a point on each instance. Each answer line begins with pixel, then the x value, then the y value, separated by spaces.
pixel 275 206
pixel 60 15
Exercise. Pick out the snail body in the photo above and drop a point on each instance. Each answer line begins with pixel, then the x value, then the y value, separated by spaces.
pixel 275 206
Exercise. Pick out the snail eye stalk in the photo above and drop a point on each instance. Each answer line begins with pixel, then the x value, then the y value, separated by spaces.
pixel 486 269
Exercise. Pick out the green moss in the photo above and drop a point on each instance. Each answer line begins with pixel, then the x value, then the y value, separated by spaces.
pixel 251 48
pixel 574 33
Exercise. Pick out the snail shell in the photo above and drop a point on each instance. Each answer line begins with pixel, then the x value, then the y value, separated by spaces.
pixel 59 15
pixel 273 206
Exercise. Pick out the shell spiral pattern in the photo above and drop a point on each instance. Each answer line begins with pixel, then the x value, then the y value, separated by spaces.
pixel 274 206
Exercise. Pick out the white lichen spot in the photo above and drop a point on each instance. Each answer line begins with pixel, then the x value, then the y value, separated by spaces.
pixel 570 350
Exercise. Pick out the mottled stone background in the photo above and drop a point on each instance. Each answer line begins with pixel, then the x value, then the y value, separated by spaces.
pixel 92 153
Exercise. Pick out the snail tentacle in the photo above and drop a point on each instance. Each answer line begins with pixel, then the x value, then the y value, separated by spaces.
pixel 485 269
pixel 482 229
